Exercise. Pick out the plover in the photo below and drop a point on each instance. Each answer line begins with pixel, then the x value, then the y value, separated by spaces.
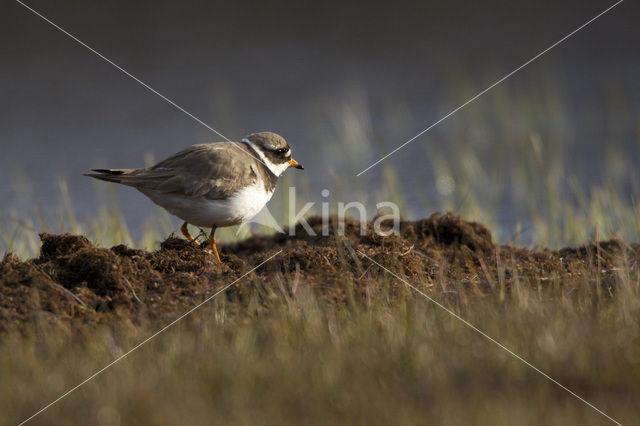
pixel 212 184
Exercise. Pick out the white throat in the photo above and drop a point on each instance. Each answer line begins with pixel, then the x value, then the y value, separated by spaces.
pixel 276 169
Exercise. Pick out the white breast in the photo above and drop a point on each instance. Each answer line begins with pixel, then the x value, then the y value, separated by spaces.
pixel 248 201
pixel 241 207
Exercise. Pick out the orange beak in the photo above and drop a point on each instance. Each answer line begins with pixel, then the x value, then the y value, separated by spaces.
pixel 294 163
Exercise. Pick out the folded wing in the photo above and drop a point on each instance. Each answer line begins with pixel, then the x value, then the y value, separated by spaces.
pixel 211 170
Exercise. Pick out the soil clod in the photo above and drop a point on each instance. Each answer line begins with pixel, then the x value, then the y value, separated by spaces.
pixel 74 280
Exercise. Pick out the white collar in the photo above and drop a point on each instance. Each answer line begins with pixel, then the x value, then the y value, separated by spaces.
pixel 276 169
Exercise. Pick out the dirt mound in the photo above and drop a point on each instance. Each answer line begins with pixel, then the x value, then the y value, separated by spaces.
pixel 449 230
pixel 54 246
pixel 72 280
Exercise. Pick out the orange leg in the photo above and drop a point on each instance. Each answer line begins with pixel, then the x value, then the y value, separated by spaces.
pixel 186 233
pixel 212 241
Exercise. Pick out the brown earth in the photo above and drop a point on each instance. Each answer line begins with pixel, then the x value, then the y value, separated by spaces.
pixel 74 281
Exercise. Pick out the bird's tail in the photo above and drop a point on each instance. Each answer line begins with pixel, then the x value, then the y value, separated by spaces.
pixel 111 175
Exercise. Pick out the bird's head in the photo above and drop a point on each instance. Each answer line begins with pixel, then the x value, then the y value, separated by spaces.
pixel 273 150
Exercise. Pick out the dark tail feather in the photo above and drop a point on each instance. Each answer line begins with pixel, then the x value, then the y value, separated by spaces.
pixel 109 175
pixel 110 171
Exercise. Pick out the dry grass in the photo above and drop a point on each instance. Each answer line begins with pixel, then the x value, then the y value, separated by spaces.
pixel 286 360
pixel 290 351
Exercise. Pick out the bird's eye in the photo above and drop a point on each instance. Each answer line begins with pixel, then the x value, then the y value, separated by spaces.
pixel 281 150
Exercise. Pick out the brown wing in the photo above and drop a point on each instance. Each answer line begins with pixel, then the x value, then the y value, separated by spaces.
pixel 213 170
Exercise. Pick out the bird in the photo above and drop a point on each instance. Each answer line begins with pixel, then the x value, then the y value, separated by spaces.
pixel 215 184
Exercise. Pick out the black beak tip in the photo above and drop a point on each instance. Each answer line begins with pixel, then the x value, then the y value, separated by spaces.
pixel 300 166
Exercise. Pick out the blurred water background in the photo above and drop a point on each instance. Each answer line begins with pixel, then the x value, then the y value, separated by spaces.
pixel 548 157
